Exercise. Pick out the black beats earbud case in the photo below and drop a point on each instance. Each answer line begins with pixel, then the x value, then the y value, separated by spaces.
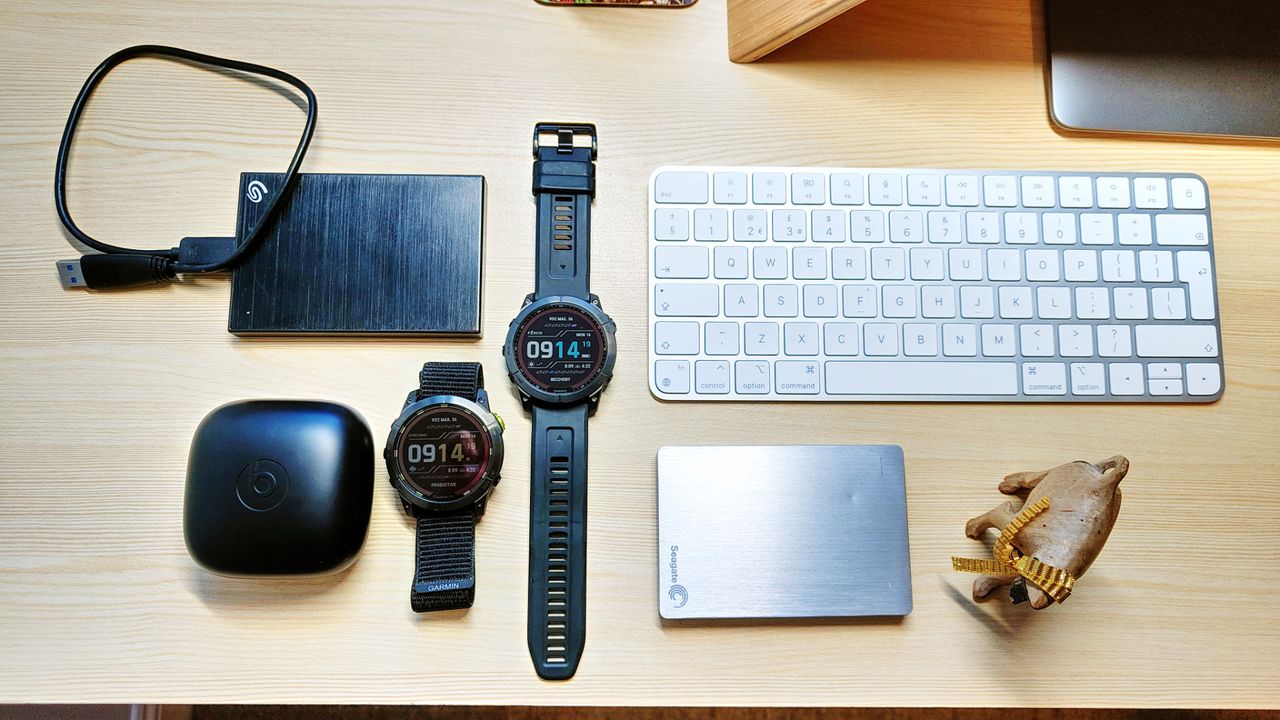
pixel 278 487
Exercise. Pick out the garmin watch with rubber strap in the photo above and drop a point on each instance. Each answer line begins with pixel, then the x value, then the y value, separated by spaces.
pixel 444 455
pixel 560 352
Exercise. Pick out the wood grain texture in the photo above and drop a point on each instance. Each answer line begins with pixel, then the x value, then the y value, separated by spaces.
pixel 99 601
pixel 758 27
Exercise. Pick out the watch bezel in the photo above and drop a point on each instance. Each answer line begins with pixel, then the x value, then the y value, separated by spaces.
pixel 602 378
pixel 487 420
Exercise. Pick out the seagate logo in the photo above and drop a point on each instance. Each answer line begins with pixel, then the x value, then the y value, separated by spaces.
pixel 678 594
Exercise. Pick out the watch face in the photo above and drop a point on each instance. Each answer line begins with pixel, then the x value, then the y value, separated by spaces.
pixel 560 348
pixel 443 452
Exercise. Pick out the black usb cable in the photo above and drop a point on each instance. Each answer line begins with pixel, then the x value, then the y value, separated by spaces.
pixel 115 266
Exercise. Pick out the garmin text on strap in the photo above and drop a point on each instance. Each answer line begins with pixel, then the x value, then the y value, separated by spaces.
pixel 564 183
pixel 445 574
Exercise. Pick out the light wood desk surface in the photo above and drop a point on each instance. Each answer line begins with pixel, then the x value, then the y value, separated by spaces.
pixel 101 392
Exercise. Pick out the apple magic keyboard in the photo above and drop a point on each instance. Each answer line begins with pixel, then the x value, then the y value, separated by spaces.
pixel 843 284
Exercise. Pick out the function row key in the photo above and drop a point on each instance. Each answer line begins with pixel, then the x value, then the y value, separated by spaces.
pixel 928 190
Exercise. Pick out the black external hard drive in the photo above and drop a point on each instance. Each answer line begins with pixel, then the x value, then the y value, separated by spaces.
pixel 362 255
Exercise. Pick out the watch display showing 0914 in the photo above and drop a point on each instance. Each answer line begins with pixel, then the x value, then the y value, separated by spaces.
pixel 560 349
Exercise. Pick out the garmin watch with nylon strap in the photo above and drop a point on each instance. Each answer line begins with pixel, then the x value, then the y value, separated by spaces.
pixel 444 455
pixel 560 352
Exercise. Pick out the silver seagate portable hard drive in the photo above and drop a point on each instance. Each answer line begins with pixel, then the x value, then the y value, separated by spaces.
pixel 803 531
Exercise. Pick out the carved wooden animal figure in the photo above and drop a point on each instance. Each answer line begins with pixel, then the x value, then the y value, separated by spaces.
pixel 1084 500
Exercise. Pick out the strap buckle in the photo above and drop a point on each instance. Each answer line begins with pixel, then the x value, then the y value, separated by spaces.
pixel 565 133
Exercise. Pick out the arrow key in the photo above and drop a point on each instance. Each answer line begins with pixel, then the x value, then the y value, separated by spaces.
pixel 1126 379
pixel 1204 379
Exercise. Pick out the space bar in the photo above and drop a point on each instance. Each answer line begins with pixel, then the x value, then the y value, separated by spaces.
pixel 921 378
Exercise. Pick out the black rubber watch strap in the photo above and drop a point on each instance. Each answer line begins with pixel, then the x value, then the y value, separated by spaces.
pixel 461 379
pixel 564 183
pixel 558 540
pixel 445 578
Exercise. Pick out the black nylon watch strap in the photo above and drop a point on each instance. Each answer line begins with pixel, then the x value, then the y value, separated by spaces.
pixel 461 379
pixel 445 578
pixel 564 183
pixel 558 540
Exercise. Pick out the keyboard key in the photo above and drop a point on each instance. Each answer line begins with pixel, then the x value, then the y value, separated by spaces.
pixel 1168 303
pixel 761 338
pixel 846 189
pixel 977 302
pixel 731 263
pixel 789 225
pixel 1115 341
pixel 998 341
pixel 671 376
pixel 1164 387
pixel 675 338
pixel 928 264
pixel 965 263
pixel 1151 193
pixel 1075 341
pixel 1118 266
pixel 1182 229
pixel 866 226
pixel 849 263
pixel 1204 378
pixel 1093 303
pixel 1075 192
pixel 906 226
pixel 671 224
pixel 820 301
pixel 1059 228
pixel 859 301
pixel 1097 229
pixel 1036 340
pixel 1037 191
pixel 888 264
pixel 711 225
pixel 1164 371
pixel 1004 264
pixel 1176 341
pixel 1189 194
pixel 1130 303
pixel 781 301
pixel 982 228
pixel 769 188
pixel 1113 193
pixel 1088 379
pixel 1015 302
pixel 1021 228
pixel 1053 303
pixel 880 339
pixel 1042 266
pixel 683 187
pixel 840 338
pixel 828 226
pixel 1126 379
pixel 711 377
pixel 752 377
pixel 1193 269
pixel 899 301
pixel 769 263
pixel 963 190
pixel 729 188
pixel 885 189
pixel 945 227
pixel 1134 229
pixel 689 300
pixel 721 338
pixel 1155 266
pixel 1080 265
pixel 680 261
pixel 924 190
pixel 1000 190
pixel 938 301
pixel 846 377
pixel 1044 378
pixel 796 377
pixel 920 339
pixel 741 300
pixel 959 340
pixel 809 263
pixel 749 226
pixel 800 338
pixel 808 188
